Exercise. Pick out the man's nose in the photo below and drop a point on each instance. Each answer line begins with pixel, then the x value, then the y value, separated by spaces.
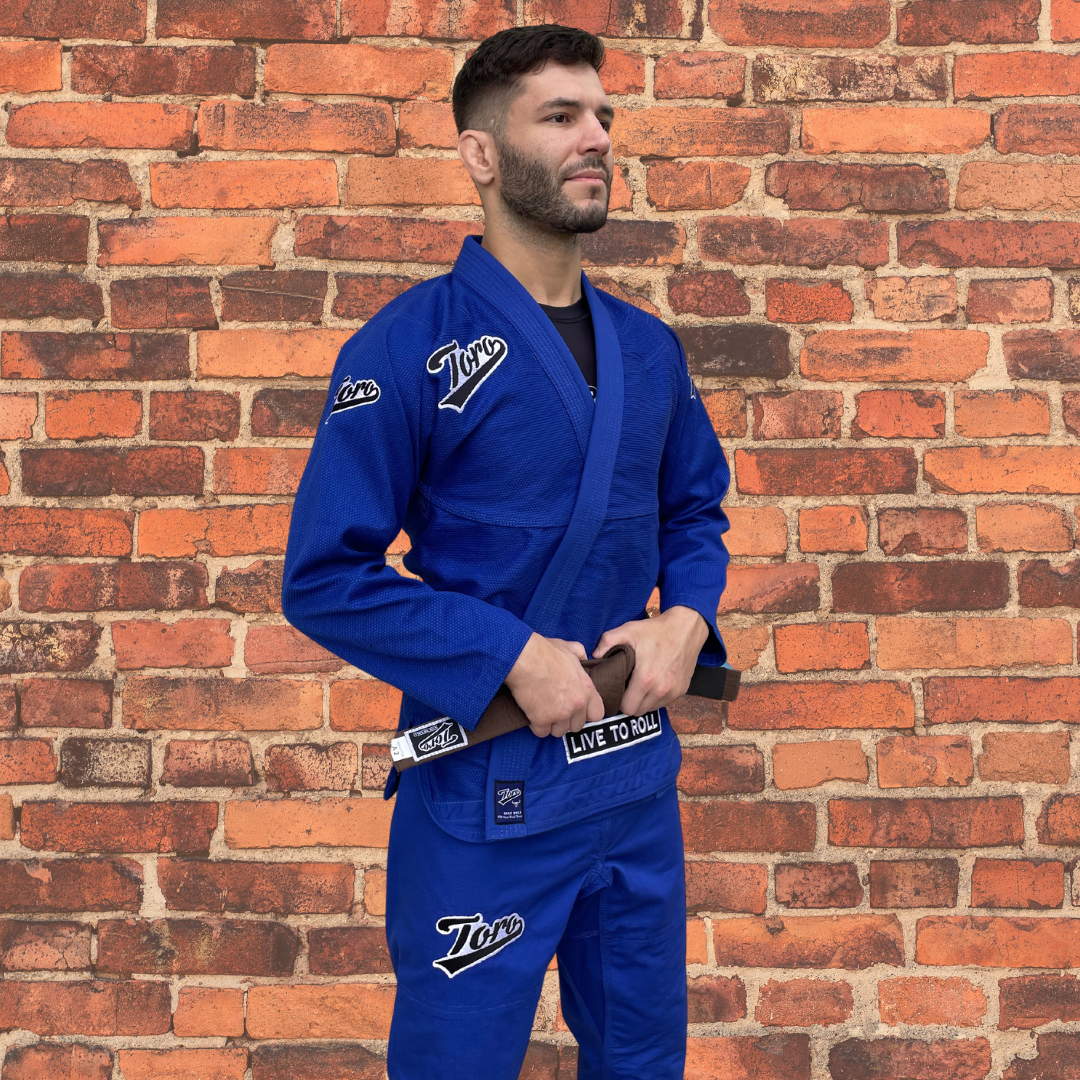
pixel 594 139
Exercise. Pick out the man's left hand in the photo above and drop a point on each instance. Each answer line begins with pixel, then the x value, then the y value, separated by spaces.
pixel 666 648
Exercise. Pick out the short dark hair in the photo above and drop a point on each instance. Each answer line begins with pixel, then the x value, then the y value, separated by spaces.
pixel 495 69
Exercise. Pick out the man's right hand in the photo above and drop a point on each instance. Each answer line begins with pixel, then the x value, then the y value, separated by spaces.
pixel 551 686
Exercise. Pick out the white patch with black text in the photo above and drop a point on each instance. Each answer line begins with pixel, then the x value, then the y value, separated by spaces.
pixel 437 737
pixel 469 367
pixel 351 395
pixel 610 734
pixel 476 940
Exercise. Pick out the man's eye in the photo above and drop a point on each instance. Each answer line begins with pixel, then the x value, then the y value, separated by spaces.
pixel 559 117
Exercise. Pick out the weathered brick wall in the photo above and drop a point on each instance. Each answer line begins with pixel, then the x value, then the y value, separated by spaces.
pixel 861 217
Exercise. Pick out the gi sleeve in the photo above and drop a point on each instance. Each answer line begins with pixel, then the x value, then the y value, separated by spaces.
pixel 447 649
pixel 694 478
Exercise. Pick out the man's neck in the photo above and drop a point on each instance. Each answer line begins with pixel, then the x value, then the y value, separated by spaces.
pixel 548 264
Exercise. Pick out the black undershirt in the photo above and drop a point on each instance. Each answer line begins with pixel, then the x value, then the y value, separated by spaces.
pixel 574 324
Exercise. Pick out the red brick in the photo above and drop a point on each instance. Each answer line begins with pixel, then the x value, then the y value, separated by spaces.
pixel 993 414
pixel 375 767
pixel 696 185
pixel 208 763
pixel 47 646
pixel 818 705
pixel 812 242
pixel 179 415
pixel 1000 469
pixel 852 942
pixel 1001 700
pixel 348 950
pixel 924 761
pixel 1022 527
pixel 163 704
pixel 894 355
pixel 149 303
pixel 925 1001
pixel 283 649
pixel 813 185
pixel 714 292
pixel 327 822
pixel 756 530
pixel 409 182
pixel 249 589
pixel 180 1064
pixel 364 705
pixel 197 947
pixel 911 299
pixel 426 124
pixel 117 20
pixel 825 472
pixel 274 296
pixel 33 761
pixel 186 241
pixel 198 643
pixel 833 528
pixel 771 587
pixel 842 646
pixel 744 826
pixel 922 531
pixel 113 587
pixel 1017 883
pixel 106 357
pixel 655 18
pixel 914 883
pixel 721 886
pixel 8 707
pixel 750 1057
pixel 719 770
pixel 471 21
pixel 258 470
pixel 798 77
pixel 926 823
pixel 184 827
pixel 7 817
pixel 1019 186
pixel 136 470
pixel 44 238
pixel 311 767
pixel 37 530
pixel 386 239
pixel 116 1007
pixel 244 185
pixel 715 999
pixel 818 885
pixel 58 1061
pixel 803 1003
pixel 204 1011
pixel 1059 822
pixel 197 69
pixel 222 530
pixel 994 941
pixel 736 349
pixel 44 946
pixel 1016 74
pixel 727 412
pixel 672 131
pixel 882 588
pixel 1018 757
pixel 345 1062
pixel 1065 21
pixel 899 414
pixel 127 125
pixel 892 130
pixel 1042 354
pixel 623 72
pixel 894 1059
pixel 306 20
pixel 17 416
pixel 1030 1001
pixel 844 24
pixel 46 182
pixel 797 301
pixel 697 75
pixel 360 296
pixel 29 66
pixel 73 703
pixel 1042 244
pixel 809 764
pixel 798 414
pixel 978 22
pixel 635 243
pixel 70 885
pixel 92 414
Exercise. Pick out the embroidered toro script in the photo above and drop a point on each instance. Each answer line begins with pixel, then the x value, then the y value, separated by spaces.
pixel 469 367
pixel 476 940
pixel 437 737
pixel 351 394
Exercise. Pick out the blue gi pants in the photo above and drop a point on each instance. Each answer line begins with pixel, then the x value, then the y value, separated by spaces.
pixel 473 926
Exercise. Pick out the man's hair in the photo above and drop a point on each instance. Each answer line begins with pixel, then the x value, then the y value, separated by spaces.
pixel 485 84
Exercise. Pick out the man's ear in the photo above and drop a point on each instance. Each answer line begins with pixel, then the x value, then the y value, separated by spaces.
pixel 477 152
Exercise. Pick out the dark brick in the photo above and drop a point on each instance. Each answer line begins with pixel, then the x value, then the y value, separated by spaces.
pixel 48 182
pixel 722 770
pixel 715 999
pixel 737 349
pixel 120 586
pixel 625 242
pixel 198 415
pixel 1059 822
pixel 1057 1058
pixel 58 1061
pixel 281 413
pixel 208 763
pixel 285 20
pixel 926 823
pixel 914 883
pixel 826 472
pixel 127 357
pixel 818 885
pixel 1030 1001
pixel 73 703
pixel 273 296
pixel 137 470
pixel 51 646
pixel 837 24
pixel 978 22
pixel 71 885
pixel 798 414
pixel 348 950
pixel 813 242
pixel 744 826
pixel 724 886
pixel 149 303
pixel 197 69
pixel 251 589
pixel 899 1059
pixel 385 239
pixel 196 947
pixel 1044 585
pixel 1037 129
pixel 887 588
pixel 359 296
pixel 43 946
pixel 797 77
pixel 1054 245
pixel 709 293
pixel 922 531
pixel 350 1061
pixel 1043 354
pixel 55 238
pixel 183 827
pixel 63 296
pixel 901 189
pixel 86 762
pixel 116 20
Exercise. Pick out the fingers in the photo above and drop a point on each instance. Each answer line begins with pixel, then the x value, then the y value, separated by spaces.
pixel 574 648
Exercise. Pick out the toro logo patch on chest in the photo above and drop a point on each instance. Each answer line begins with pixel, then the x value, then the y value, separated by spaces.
pixel 469 367
pixel 611 734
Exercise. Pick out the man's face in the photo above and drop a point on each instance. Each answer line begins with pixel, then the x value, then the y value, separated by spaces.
pixel 555 159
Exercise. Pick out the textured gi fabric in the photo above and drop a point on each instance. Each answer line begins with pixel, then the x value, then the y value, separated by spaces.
pixel 459 414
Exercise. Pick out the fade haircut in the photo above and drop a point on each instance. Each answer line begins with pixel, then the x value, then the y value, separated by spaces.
pixel 486 83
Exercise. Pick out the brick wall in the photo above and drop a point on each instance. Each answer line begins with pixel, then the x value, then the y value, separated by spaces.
pixel 861 217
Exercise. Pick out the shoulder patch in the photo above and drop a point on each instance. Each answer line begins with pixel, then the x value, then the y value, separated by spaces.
pixel 351 394
pixel 469 367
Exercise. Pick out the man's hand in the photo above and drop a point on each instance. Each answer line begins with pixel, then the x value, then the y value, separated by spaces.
pixel 551 686
pixel 666 648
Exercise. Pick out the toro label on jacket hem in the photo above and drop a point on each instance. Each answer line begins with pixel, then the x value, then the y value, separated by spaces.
pixel 610 734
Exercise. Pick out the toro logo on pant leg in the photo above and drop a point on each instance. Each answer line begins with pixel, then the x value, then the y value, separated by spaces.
pixel 476 940
pixel 469 367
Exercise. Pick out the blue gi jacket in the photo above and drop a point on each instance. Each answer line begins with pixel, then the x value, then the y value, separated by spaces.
pixel 458 414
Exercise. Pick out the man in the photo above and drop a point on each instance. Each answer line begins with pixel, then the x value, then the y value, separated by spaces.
pixel 540 522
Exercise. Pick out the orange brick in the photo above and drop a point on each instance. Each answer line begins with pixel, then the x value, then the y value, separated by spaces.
pixel 623 72
pixel 283 649
pixel 745 645
pixel 995 941
pixel 17 415
pixel 843 646
pixel 146 643
pixel 365 70
pixel 1017 883
pixel 804 1003
pixel 697 948
pixel 968 643
pixel 118 125
pixel 221 530
pixel 810 764
pixel 342 1011
pixel 893 130
pixel 1001 469
pixel 7 818
pixel 185 1064
pixel 27 761
pixel 261 823
pixel 911 299
pixel 899 414
pixel 1019 186
pixel 926 1000
pixel 1017 73
pixel 268 354
pixel 375 892
pixel 771 588
pixel 780 706
pixel 798 301
pixel 670 132
pixel 29 66
pixel 1022 527
pixel 1027 300
pixel 746 1057
pixel 354 128
pixel 726 409
pixel 425 124
pixel 364 705
pixel 205 1012
pixel 258 470
pixel 833 528
pixel 989 414
pixel 92 414
pixel 756 530
pixel 398 181
pixel 699 75
pixel 1018 756
pixel 924 761
pixel 1064 20
pixel 695 185
pixel 186 241
pixel 894 356
pixel 243 185
pixel 845 24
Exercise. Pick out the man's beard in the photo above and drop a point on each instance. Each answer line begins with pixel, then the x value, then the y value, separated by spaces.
pixel 533 193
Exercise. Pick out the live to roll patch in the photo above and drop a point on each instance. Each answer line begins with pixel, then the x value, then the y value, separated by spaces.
pixel 610 734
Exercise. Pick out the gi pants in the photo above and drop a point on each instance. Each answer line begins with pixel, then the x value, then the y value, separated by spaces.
pixel 472 928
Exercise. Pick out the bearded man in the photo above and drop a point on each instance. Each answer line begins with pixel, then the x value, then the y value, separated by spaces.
pixel 543 446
